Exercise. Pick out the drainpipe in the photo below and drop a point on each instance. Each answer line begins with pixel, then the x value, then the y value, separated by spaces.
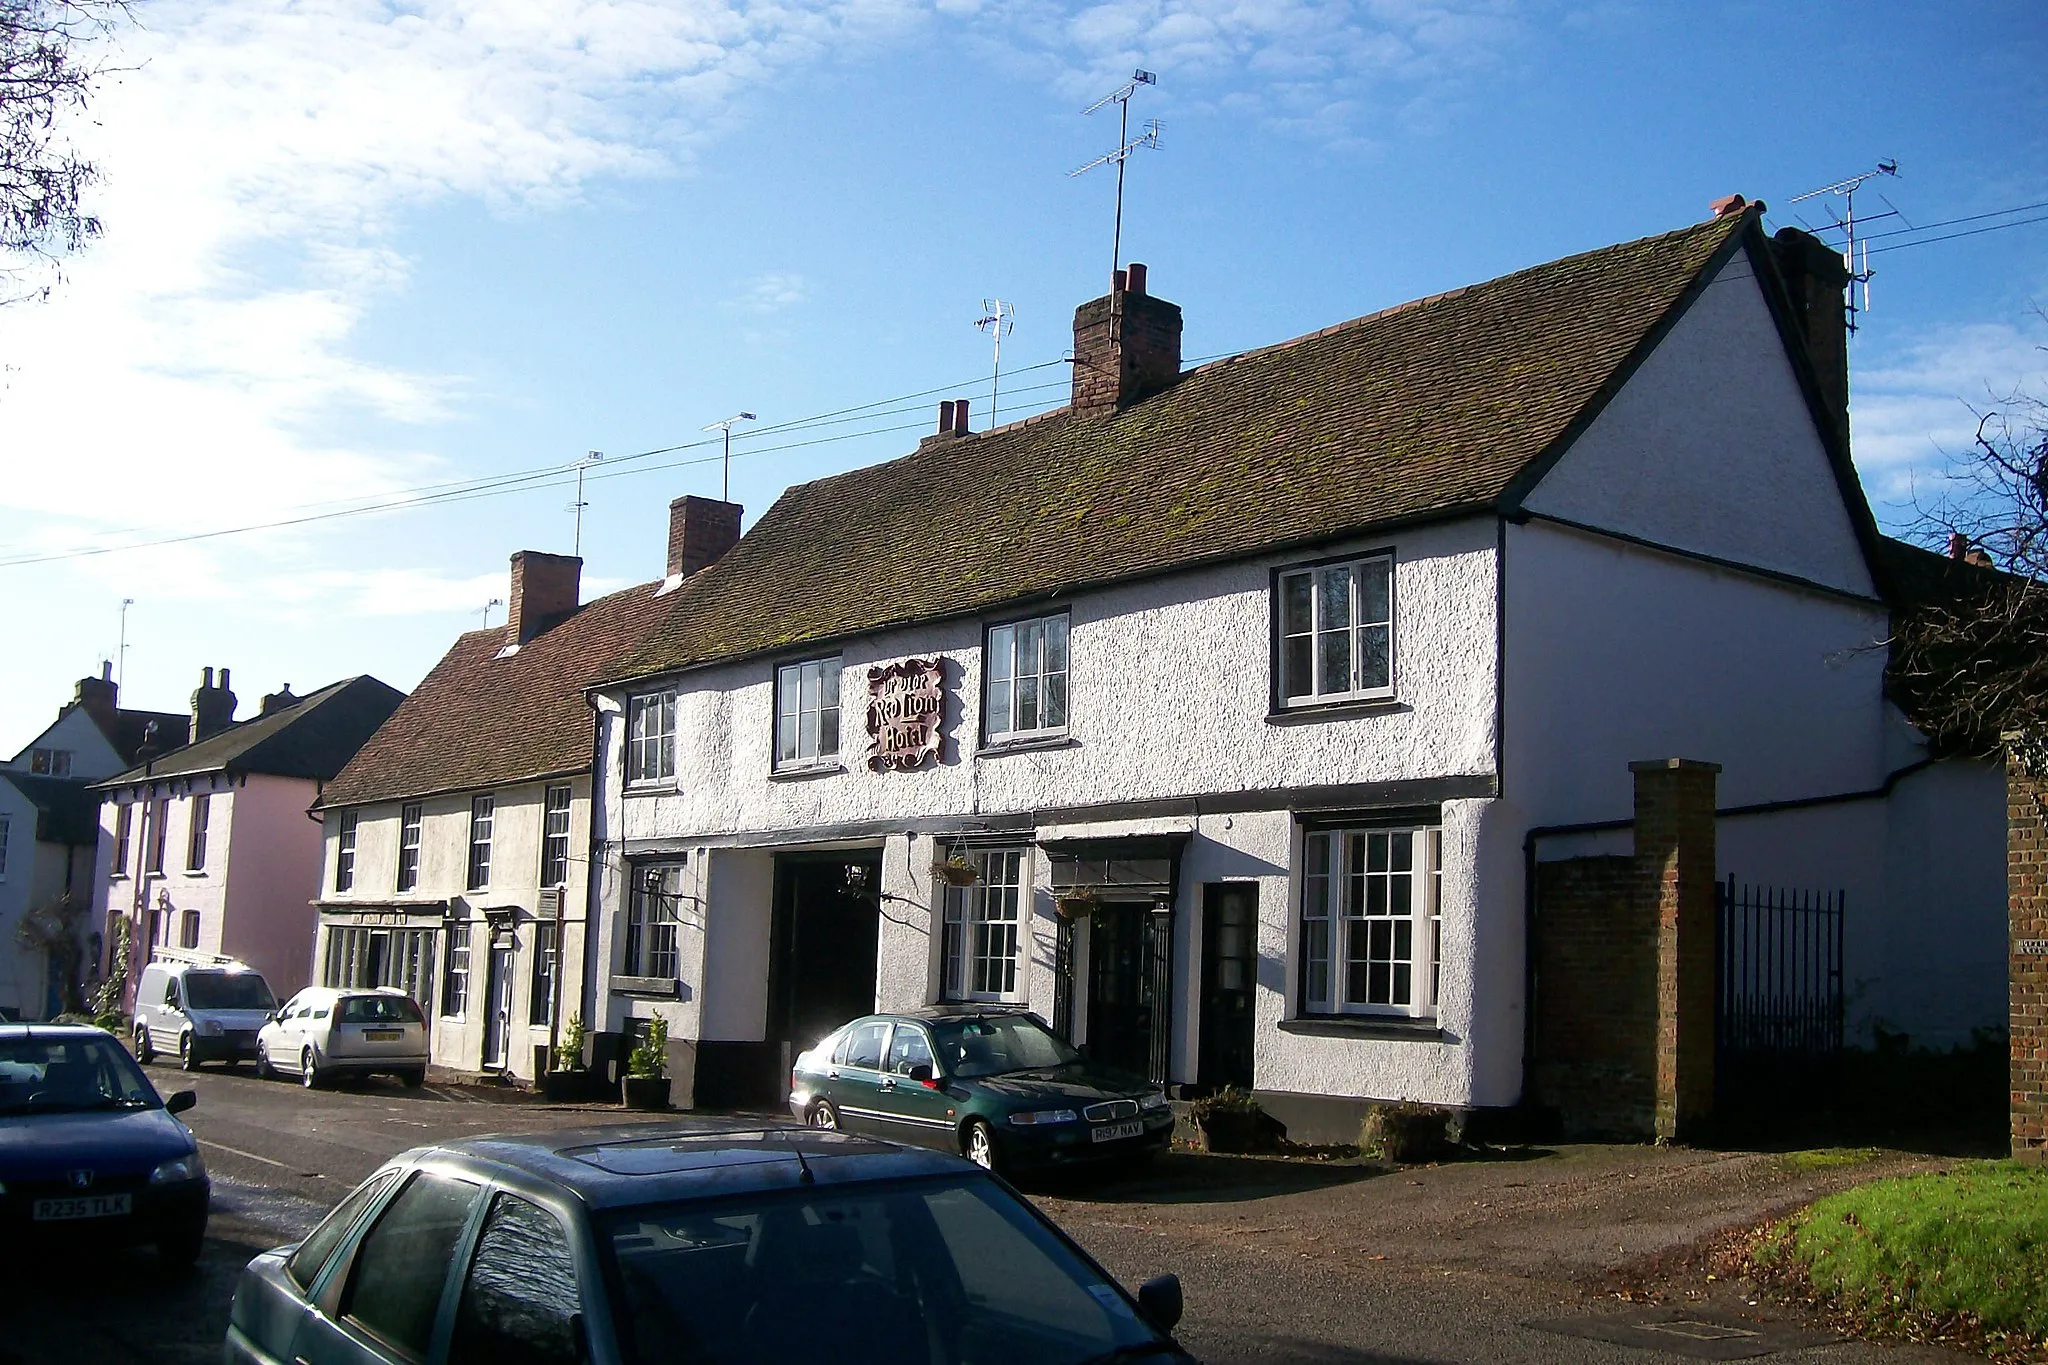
pixel 592 886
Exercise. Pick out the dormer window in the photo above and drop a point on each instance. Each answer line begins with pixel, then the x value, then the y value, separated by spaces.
pixel 50 762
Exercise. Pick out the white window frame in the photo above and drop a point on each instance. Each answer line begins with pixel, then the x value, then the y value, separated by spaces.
pixel 651 737
pixel 1319 633
pixel 412 819
pixel 124 830
pixel 195 835
pixel 345 852
pixel 547 953
pixel 455 971
pixel 188 929
pixel 1351 886
pixel 1006 673
pixel 50 762
pixel 555 802
pixel 807 693
pixel 159 832
pixel 653 937
pixel 483 816
pixel 985 928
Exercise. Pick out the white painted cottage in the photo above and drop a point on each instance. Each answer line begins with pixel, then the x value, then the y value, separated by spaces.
pixel 1244 697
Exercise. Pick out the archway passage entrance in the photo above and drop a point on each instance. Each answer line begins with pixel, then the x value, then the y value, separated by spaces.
pixel 822 949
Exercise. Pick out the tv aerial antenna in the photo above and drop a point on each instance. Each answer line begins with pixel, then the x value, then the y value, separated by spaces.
pixel 998 319
pixel 593 457
pixel 1846 222
pixel 726 425
pixel 486 610
pixel 1126 144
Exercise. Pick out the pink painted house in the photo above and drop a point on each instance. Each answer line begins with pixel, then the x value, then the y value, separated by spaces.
pixel 213 852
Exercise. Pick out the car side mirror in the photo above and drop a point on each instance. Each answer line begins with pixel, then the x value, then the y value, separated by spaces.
pixel 922 1074
pixel 1159 1299
pixel 180 1101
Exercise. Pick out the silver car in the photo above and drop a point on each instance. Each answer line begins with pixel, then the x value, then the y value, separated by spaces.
pixel 322 1033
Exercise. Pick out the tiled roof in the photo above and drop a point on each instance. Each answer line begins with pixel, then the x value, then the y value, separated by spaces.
pixel 67 809
pixel 173 731
pixel 478 720
pixel 1424 410
pixel 312 738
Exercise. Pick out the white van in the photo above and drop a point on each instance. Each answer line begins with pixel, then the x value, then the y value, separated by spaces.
pixel 201 1011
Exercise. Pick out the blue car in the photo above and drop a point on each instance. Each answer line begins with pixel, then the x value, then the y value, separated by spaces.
pixel 89 1151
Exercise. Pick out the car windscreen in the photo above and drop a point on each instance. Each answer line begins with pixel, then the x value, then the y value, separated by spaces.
pixel 227 991
pixel 69 1074
pixel 378 1009
pixel 937 1271
pixel 992 1046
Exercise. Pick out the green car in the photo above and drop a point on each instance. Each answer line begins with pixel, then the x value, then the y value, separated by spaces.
pixel 995 1085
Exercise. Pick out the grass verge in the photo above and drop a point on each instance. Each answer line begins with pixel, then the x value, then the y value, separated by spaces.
pixel 1959 1256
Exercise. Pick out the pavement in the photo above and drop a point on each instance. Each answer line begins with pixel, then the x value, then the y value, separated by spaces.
pixel 1540 1256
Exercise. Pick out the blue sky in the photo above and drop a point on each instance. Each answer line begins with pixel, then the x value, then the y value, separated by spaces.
pixel 356 248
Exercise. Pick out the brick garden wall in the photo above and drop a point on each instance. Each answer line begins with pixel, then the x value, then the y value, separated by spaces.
pixel 2027 905
pixel 1596 998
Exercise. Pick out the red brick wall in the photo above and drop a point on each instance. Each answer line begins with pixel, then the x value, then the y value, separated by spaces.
pixel 700 531
pixel 1596 998
pixel 1123 353
pixel 2027 906
pixel 1675 860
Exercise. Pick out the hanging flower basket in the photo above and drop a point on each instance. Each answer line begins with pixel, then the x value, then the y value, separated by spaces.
pixel 1074 904
pixel 956 871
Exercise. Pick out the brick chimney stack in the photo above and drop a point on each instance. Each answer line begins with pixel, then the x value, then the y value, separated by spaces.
pixel 1126 345
pixel 1815 277
pixel 279 700
pixel 700 531
pixel 545 591
pixel 213 708
pixel 99 697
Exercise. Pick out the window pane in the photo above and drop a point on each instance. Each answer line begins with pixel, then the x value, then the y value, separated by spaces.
pixel 1027 702
pixel 1315 947
pixel 807 735
pixel 1375 591
pixel 864 1047
pixel 1297 663
pixel 1375 658
pixel 387 1291
pixel 1002 648
pixel 1054 711
pixel 1030 652
pixel 1056 644
pixel 1297 608
pixel 788 684
pixel 1334 662
pixel 828 732
pixel 785 738
pixel 519 1304
pixel 998 706
pixel 1333 597
pixel 307 1261
pixel 809 677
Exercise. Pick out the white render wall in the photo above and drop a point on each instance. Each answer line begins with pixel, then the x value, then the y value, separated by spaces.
pixel 1169 695
pixel 75 732
pixel 1710 447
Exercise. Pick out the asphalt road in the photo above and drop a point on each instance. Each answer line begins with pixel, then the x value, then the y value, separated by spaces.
pixel 1279 1262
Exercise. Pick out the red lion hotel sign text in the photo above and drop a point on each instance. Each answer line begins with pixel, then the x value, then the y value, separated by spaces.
pixel 906 714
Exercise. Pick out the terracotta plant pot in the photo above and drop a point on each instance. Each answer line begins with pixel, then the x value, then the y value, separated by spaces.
pixel 1232 1130
pixel 646 1092
pixel 565 1087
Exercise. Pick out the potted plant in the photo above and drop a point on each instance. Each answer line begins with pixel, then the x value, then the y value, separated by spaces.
pixel 1405 1132
pixel 567 1078
pixel 1230 1121
pixel 646 1082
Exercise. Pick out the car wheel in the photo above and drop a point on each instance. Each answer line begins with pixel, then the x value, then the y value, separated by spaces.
pixel 188 1052
pixel 145 1051
pixel 822 1115
pixel 264 1070
pixel 309 1074
pixel 180 1250
pixel 978 1144
pixel 413 1078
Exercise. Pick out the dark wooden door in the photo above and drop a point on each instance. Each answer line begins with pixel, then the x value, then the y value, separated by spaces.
pixel 1230 918
pixel 1120 987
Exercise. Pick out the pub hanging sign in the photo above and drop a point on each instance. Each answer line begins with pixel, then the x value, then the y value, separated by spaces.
pixel 906 714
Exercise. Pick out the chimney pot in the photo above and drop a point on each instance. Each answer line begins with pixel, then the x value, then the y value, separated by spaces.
pixel 206 676
pixel 945 416
pixel 545 589
pixel 1728 204
pixel 223 680
pixel 213 708
pixel 1134 278
pixel 700 531
pixel 960 427
pixel 1118 281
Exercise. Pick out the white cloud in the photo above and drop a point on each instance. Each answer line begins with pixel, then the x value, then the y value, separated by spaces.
pixel 772 292
pixel 1915 409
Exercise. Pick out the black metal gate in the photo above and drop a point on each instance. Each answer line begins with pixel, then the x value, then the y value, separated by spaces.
pixel 1778 997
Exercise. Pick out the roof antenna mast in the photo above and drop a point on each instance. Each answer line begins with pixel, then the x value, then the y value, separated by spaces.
pixel 998 319
pixel 577 506
pixel 1859 275
pixel 1126 144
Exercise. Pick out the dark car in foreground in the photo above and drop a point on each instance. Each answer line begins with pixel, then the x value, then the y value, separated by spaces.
pixel 994 1085
pixel 688 1242
pixel 89 1153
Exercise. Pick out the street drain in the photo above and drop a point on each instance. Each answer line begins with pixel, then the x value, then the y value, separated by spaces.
pixel 1701 1336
